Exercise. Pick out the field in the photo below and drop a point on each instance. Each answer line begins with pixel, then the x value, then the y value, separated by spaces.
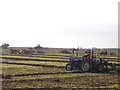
pixel 48 71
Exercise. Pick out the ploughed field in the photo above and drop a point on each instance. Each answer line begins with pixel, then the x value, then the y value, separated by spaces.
pixel 48 71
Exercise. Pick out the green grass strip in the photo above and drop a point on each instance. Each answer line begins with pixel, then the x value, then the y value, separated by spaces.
pixel 24 57
pixel 35 62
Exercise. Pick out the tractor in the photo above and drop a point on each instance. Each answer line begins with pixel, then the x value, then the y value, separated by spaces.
pixel 89 64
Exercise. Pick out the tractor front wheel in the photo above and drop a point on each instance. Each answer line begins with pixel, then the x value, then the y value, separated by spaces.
pixel 69 67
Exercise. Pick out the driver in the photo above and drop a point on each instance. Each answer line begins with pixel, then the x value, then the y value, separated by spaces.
pixel 89 55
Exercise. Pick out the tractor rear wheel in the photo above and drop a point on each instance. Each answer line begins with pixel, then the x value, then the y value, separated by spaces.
pixel 69 67
pixel 85 66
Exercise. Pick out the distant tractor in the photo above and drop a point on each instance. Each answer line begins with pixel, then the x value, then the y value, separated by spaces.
pixel 38 47
pixel 64 51
pixel 14 51
pixel 27 51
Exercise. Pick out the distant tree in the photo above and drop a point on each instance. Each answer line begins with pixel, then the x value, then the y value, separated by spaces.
pixel 5 45
pixel 38 47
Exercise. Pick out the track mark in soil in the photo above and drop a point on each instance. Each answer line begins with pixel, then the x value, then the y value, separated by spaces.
pixel 56 79
pixel 44 74
pixel 21 75
pixel 59 55
pixel 49 57
pixel 34 65
pixel 24 59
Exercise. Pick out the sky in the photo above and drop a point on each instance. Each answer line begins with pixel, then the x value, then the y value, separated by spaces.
pixel 59 23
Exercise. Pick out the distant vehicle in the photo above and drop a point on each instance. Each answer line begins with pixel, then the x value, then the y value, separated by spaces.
pixel 27 51
pixel 14 51
pixel 65 51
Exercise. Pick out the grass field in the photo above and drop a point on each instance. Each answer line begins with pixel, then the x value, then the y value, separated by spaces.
pixel 48 71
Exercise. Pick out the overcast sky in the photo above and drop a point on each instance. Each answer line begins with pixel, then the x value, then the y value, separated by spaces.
pixel 59 23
